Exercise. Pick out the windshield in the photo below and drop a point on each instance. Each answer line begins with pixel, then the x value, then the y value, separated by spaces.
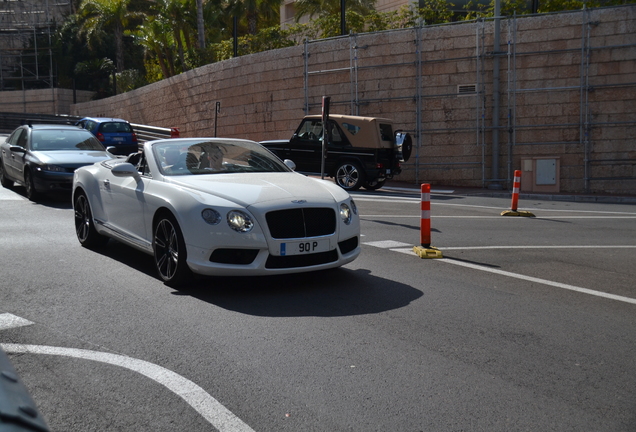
pixel 64 139
pixel 115 127
pixel 212 157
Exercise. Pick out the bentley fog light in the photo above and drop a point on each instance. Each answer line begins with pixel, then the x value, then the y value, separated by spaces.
pixel 211 216
pixel 240 221
pixel 345 213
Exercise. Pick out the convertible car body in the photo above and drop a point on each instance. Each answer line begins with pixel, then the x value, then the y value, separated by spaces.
pixel 215 206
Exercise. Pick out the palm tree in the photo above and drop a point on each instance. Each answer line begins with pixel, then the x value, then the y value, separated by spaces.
pixel 265 11
pixel 155 37
pixel 313 8
pixel 99 17
pixel 180 16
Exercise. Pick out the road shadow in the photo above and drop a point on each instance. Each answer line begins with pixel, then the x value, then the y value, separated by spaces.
pixel 58 200
pixel 326 293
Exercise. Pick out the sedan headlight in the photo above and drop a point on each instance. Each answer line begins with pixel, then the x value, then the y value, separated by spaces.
pixel 345 213
pixel 211 216
pixel 240 221
pixel 52 168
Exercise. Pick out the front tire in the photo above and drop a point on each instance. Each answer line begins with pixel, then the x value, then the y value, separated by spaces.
pixel 84 225
pixel 350 176
pixel 4 180
pixel 170 251
pixel 31 193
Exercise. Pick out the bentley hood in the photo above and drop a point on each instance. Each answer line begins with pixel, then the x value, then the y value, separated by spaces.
pixel 261 188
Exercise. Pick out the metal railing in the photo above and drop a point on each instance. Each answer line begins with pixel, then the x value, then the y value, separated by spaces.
pixel 10 121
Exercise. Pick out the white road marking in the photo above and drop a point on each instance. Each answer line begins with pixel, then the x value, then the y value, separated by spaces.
pixel 211 409
pixel 541 281
pixel 387 244
pixel 539 247
pixel 8 321
pixel 500 217
pixel 409 251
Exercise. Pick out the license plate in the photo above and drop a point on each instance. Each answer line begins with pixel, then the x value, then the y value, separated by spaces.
pixel 120 139
pixel 304 247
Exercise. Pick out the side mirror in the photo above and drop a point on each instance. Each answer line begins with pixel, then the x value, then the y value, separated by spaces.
pixel 125 170
pixel 17 149
pixel 290 164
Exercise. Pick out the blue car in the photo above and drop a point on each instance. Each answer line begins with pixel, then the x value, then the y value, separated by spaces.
pixel 112 132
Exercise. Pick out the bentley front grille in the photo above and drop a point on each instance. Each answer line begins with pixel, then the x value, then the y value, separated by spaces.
pixel 301 222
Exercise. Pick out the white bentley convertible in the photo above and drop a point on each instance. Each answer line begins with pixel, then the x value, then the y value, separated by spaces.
pixel 215 206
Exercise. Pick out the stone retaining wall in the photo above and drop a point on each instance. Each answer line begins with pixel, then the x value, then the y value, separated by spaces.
pixel 567 93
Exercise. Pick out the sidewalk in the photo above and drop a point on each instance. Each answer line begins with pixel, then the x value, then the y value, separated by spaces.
pixel 404 187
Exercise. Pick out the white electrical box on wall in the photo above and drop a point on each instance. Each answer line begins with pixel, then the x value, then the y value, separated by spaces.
pixel 540 174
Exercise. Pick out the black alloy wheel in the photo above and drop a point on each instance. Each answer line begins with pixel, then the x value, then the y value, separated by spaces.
pixel 170 251
pixel 84 225
pixel 349 176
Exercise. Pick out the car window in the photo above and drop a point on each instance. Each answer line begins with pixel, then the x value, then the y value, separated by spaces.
pixel 352 129
pixel 115 127
pixel 386 131
pixel 310 130
pixel 17 137
pixel 60 139
pixel 215 157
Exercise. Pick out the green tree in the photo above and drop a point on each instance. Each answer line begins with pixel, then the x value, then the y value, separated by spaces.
pixel 99 17
pixel 256 13
pixel 322 8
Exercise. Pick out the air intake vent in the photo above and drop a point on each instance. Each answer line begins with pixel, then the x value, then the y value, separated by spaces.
pixel 466 89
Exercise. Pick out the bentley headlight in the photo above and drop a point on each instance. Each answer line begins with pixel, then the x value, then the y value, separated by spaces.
pixel 211 216
pixel 354 207
pixel 240 221
pixel 345 213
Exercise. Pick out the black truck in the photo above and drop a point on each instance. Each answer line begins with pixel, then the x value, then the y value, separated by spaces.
pixel 361 151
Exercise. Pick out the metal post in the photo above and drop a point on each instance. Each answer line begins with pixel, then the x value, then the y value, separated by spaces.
pixel 495 104
pixel 306 75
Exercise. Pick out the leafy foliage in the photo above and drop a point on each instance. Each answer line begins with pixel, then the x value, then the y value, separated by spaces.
pixel 159 39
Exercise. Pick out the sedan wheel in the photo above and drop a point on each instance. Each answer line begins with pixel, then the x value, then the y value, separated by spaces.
pixel 84 226
pixel 31 193
pixel 170 252
pixel 349 176
pixel 4 180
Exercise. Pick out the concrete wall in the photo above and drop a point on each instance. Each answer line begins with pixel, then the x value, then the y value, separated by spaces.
pixel 567 93
pixel 42 101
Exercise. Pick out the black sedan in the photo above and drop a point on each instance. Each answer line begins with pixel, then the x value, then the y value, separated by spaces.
pixel 43 158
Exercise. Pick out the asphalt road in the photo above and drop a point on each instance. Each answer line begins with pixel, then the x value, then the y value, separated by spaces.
pixel 525 324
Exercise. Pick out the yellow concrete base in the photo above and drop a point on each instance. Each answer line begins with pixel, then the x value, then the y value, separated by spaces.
pixel 429 252
pixel 517 213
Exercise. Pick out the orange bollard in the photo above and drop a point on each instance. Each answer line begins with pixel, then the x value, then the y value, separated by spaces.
pixel 426 250
pixel 516 186
pixel 425 221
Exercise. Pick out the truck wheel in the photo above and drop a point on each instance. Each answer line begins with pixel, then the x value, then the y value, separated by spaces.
pixel 374 184
pixel 350 176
